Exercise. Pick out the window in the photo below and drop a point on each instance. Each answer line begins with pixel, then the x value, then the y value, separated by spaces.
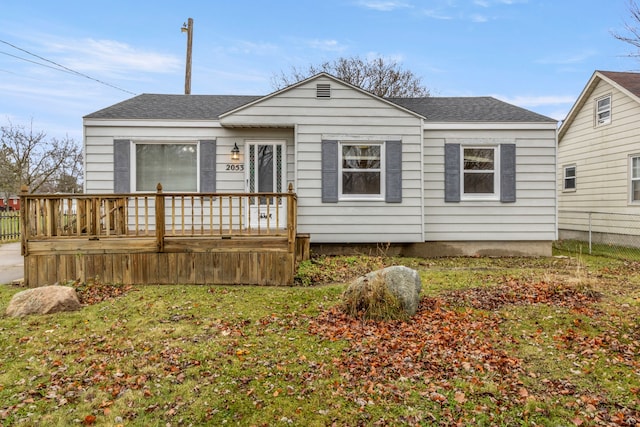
pixel 635 179
pixel 569 178
pixel 480 172
pixel 361 170
pixel 479 178
pixel 173 165
pixel 603 110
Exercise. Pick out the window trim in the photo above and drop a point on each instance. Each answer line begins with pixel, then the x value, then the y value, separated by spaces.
pixel 495 196
pixel 564 178
pixel 631 179
pixel 598 111
pixel 134 166
pixel 360 197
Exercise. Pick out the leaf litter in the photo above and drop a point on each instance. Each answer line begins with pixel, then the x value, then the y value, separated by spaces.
pixel 457 337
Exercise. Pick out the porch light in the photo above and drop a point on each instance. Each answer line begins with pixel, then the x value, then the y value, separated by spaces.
pixel 235 152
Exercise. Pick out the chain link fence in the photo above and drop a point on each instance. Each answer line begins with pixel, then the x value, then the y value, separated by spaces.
pixel 609 234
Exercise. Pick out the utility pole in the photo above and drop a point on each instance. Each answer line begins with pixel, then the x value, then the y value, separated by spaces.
pixel 188 28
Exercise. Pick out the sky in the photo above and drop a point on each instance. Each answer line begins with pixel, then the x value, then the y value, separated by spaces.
pixel 61 60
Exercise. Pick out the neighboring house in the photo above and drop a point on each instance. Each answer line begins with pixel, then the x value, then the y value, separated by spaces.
pixel 599 161
pixel 436 176
pixel 10 203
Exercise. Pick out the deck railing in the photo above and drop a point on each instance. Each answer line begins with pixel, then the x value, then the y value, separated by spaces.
pixel 160 215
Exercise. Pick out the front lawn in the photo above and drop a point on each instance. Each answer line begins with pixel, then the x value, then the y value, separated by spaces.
pixel 511 341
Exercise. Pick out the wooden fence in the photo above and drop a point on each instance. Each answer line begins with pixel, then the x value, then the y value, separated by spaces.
pixel 9 226
pixel 199 238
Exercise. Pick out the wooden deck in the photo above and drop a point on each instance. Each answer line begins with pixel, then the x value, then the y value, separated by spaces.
pixel 161 238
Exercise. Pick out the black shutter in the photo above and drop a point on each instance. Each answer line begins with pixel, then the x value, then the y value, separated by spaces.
pixel 208 166
pixel 508 173
pixel 393 171
pixel 451 172
pixel 329 171
pixel 121 166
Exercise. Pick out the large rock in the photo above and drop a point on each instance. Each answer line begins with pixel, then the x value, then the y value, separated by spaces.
pixel 43 300
pixel 402 282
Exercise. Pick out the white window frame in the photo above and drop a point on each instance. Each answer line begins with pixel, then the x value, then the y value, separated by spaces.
pixel 496 174
pixel 632 179
pixel 373 197
pixel 574 177
pixel 134 166
pixel 599 111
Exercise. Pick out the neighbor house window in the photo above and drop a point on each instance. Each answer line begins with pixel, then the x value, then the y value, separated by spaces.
pixel 635 179
pixel 603 110
pixel 175 166
pixel 569 178
pixel 361 169
pixel 479 177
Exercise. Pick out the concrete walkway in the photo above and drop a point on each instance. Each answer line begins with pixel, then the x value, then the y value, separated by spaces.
pixel 11 263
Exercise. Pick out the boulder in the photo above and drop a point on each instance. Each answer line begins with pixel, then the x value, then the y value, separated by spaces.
pixel 43 300
pixel 402 282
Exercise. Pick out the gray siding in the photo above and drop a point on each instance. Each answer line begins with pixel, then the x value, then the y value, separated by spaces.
pixel 99 167
pixel 532 217
pixel 349 115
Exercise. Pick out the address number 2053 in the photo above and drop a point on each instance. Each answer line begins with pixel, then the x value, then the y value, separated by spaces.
pixel 232 167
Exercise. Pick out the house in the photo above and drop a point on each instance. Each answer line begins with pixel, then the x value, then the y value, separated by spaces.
pixel 432 176
pixel 10 203
pixel 599 161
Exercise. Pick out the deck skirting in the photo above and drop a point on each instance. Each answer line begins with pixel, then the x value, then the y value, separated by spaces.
pixel 254 261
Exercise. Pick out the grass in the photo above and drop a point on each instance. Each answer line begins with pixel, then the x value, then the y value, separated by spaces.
pixel 566 328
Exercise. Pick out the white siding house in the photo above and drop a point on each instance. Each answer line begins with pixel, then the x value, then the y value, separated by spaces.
pixel 432 175
pixel 599 161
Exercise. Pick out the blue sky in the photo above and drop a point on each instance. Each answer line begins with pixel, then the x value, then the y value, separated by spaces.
pixel 535 54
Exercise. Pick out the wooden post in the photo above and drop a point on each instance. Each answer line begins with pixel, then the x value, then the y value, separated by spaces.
pixel 188 28
pixel 291 218
pixel 160 220
pixel 24 231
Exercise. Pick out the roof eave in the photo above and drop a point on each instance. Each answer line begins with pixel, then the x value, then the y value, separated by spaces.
pixel 482 125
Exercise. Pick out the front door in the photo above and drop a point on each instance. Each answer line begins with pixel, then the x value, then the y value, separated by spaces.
pixel 266 173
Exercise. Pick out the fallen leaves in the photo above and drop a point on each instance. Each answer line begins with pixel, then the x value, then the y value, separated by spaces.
pixel 457 337
pixel 437 344
pixel 94 292
pixel 514 291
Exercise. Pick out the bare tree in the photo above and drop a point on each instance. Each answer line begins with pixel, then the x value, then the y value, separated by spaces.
pixel 28 158
pixel 382 77
pixel 633 29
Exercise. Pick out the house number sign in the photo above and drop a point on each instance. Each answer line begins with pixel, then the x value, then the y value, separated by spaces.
pixel 234 167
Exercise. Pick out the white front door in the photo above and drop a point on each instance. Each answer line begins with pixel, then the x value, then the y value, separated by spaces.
pixel 266 173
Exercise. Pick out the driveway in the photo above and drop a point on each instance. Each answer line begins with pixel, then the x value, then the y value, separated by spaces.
pixel 11 263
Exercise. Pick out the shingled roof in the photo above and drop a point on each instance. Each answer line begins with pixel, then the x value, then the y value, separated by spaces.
pixel 629 81
pixel 172 107
pixel 469 109
pixel 210 107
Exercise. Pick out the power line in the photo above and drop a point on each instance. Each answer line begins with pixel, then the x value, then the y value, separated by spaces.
pixel 34 62
pixel 61 67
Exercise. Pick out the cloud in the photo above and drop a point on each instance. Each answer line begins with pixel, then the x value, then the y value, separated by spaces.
pixel 565 59
pixel 253 48
pixel 99 55
pixel 327 45
pixel 436 14
pixel 383 5
pixel 479 18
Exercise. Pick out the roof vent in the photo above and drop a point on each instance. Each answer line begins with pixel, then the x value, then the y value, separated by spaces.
pixel 323 90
